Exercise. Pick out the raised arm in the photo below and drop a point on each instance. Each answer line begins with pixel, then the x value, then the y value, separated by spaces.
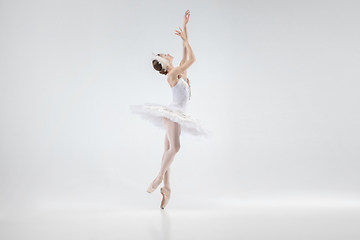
pixel 185 53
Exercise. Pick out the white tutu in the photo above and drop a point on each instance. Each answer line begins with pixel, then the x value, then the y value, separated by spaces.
pixel 176 112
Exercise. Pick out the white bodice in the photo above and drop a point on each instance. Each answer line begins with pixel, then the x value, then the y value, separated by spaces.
pixel 181 93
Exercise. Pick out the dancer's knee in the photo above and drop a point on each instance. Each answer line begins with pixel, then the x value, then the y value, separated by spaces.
pixel 176 147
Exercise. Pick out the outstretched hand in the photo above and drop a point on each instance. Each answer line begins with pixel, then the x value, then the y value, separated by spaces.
pixel 181 34
pixel 186 17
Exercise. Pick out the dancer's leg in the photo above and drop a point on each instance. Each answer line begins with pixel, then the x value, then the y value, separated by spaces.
pixel 173 134
pixel 167 173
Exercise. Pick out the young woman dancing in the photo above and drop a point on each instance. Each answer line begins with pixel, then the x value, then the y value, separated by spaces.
pixel 172 117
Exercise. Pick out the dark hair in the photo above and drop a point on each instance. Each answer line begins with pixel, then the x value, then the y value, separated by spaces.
pixel 157 66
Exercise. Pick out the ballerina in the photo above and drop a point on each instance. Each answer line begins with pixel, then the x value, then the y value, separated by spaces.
pixel 172 117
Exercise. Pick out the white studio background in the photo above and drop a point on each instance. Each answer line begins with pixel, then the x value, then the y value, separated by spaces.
pixel 277 82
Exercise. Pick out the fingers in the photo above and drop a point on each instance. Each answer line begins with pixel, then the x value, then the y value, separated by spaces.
pixel 187 13
pixel 180 33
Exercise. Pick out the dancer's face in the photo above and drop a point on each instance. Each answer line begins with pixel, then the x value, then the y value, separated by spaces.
pixel 167 56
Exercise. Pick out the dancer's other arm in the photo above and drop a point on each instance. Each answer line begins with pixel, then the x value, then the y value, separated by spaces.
pixel 178 70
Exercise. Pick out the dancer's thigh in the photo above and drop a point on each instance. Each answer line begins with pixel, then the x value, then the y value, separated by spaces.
pixel 173 133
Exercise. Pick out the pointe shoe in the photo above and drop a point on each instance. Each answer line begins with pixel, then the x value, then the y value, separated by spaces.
pixel 150 188
pixel 166 197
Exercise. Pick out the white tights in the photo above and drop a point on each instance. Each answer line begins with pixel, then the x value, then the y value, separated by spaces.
pixel 171 147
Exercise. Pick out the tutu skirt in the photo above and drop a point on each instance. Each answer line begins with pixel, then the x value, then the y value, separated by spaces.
pixel 155 112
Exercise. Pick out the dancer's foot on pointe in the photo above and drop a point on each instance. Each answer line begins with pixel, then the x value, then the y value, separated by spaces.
pixel 166 192
pixel 155 183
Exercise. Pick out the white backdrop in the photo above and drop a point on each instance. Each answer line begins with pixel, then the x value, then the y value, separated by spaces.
pixel 277 82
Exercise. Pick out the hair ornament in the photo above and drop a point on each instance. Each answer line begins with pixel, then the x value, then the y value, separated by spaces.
pixel 164 62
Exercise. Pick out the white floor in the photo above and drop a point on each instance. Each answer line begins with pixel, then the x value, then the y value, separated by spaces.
pixel 247 222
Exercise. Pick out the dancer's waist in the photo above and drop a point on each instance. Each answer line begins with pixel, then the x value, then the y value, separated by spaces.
pixel 178 106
